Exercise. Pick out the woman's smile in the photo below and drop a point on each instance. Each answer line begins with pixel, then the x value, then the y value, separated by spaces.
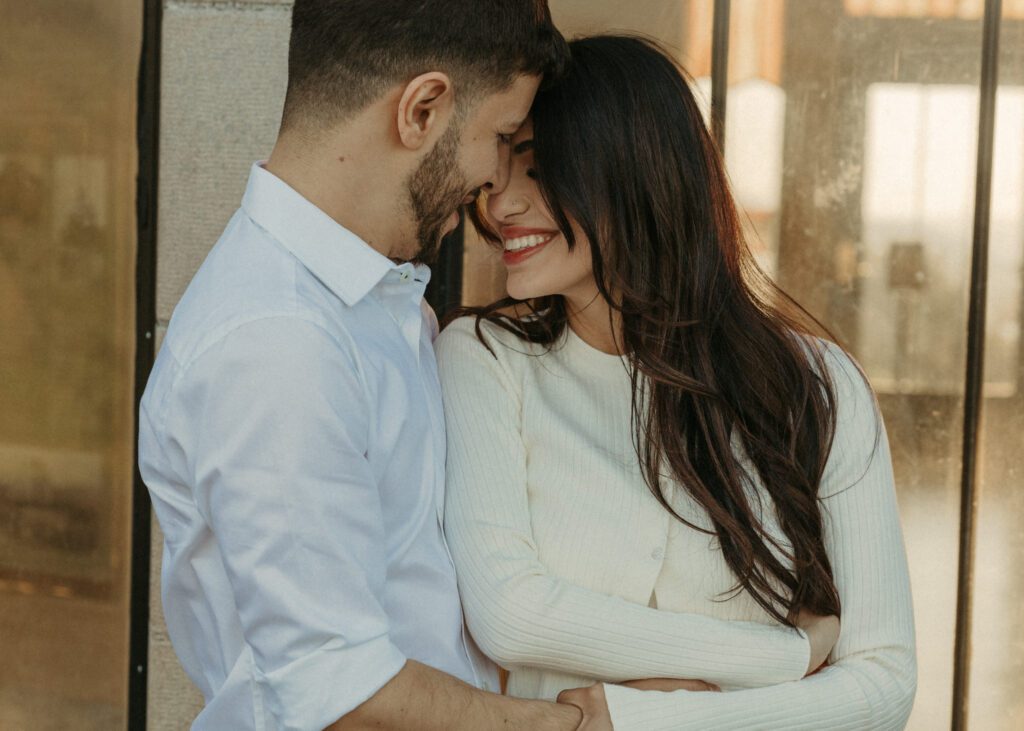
pixel 522 243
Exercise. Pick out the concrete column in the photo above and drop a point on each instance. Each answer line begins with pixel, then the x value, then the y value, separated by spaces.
pixel 224 69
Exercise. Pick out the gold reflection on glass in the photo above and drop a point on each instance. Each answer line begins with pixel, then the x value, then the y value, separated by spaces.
pixel 971 9
pixel 756 109
pixel 997 647
pixel 857 167
pixel 67 174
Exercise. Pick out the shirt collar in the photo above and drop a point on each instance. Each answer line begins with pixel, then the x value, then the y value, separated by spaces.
pixel 345 263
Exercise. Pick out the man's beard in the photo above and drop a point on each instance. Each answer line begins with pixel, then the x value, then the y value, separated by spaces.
pixel 436 190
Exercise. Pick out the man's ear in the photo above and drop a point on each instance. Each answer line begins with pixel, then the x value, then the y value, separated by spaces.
pixel 426 105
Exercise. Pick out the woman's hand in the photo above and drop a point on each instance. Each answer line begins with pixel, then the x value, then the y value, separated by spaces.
pixel 667 685
pixel 823 633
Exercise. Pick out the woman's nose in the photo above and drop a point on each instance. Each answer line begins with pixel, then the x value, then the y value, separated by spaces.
pixel 509 202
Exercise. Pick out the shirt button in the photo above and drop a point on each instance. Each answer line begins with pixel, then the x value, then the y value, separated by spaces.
pixel 404 276
pixel 658 553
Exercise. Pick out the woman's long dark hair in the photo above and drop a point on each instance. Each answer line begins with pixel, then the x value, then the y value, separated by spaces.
pixel 717 351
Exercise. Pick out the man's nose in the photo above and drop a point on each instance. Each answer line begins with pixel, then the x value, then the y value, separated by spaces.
pixel 499 181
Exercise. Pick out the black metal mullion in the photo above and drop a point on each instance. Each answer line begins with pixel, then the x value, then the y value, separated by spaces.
pixel 147 136
pixel 444 292
pixel 719 70
pixel 975 369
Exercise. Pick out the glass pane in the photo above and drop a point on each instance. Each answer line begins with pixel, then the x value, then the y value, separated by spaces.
pixel 683 26
pixel 997 650
pixel 67 254
pixel 853 155
pixel 755 117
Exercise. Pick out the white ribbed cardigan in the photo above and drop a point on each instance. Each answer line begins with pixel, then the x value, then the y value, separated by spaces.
pixel 563 553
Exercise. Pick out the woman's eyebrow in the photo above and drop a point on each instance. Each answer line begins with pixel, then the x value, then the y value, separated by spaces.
pixel 524 146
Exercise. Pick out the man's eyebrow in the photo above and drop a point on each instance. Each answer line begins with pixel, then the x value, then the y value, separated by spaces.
pixel 524 146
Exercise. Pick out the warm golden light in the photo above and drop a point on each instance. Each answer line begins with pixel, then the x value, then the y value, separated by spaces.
pixel 966 9
pixel 67 292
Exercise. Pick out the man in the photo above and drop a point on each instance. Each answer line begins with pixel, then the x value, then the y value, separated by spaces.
pixel 291 433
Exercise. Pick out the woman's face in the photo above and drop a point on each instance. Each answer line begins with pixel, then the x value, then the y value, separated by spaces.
pixel 536 255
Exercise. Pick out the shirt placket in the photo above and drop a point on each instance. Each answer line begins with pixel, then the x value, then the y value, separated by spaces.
pixel 401 294
pixel 408 315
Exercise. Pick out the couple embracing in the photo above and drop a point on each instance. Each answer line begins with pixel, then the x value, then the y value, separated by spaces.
pixel 663 499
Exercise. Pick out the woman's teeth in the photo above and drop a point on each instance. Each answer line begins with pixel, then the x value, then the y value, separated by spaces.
pixel 525 242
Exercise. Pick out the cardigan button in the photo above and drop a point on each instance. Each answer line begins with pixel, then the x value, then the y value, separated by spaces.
pixel 658 553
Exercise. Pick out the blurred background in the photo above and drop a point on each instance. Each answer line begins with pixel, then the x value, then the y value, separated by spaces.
pixel 851 133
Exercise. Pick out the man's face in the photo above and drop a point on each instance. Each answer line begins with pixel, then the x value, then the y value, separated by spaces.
pixel 467 158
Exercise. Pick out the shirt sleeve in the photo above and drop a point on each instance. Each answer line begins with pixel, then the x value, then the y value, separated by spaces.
pixel 272 421
pixel 522 615
pixel 871 681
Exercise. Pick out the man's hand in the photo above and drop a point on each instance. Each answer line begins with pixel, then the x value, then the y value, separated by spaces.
pixel 427 699
pixel 593 704
pixel 823 633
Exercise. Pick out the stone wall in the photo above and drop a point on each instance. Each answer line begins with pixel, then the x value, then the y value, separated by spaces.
pixel 222 87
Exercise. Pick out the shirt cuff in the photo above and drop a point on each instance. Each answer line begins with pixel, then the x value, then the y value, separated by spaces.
pixel 316 690
pixel 649 710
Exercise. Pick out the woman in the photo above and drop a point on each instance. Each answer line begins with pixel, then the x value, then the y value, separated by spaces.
pixel 656 470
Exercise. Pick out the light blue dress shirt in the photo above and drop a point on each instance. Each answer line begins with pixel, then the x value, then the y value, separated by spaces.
pixel 292 439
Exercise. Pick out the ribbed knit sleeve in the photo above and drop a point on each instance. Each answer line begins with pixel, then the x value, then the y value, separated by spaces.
pixel 522 615
pixel 871 681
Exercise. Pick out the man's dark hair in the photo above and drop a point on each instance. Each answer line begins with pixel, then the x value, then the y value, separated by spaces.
pixel 346 53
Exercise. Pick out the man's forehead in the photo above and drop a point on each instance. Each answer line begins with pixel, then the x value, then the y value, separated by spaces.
pixel 509 107
pixel 514 124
